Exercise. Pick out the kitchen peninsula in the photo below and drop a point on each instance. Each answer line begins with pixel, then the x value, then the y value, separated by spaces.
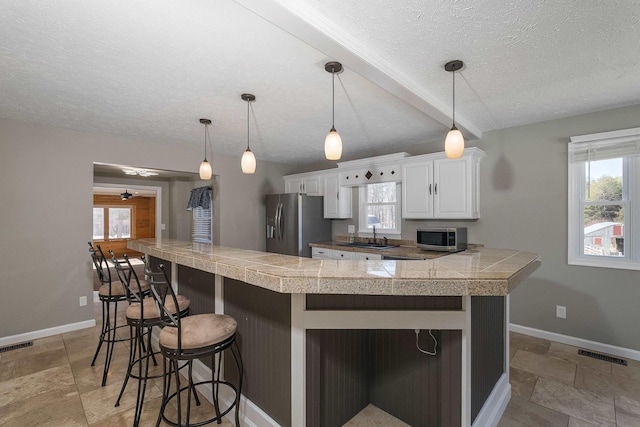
pixel 321 339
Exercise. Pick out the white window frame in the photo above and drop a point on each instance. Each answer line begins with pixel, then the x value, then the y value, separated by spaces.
pixel 363 230
pixel 105 208
pixel 630 199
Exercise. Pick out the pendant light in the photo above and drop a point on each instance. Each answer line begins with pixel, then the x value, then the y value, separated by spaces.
pixel 333 142
pixel 248 162
pixel 454 143
pixel 205 166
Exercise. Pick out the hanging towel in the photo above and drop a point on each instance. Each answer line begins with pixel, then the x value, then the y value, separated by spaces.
pixel 200 197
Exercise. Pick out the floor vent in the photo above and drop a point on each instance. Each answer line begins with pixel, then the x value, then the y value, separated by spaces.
pixel 604 357
pixel 16 346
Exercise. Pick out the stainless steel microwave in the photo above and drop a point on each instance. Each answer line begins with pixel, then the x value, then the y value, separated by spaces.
pixel 442 239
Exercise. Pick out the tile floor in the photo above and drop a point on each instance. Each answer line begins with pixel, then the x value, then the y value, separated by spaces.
pixel 52 384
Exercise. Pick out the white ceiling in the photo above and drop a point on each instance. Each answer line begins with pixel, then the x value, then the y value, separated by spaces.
pixel 151 68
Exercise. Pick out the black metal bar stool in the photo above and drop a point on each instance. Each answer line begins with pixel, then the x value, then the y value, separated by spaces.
pixel 111 292
pixel 142 315
pixel 190 338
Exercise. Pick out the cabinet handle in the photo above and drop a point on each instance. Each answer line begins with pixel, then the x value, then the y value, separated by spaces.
pixel 338 195
pixel 435 189
pixel 429 189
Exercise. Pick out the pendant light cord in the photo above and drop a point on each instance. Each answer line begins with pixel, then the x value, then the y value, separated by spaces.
pixel 206 133
pixel 333 99
pixel 454 98
pixel 248 104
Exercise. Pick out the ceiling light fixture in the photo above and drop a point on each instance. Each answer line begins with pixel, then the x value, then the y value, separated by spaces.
pixel 126 195
pixel 205 166
pixel 248 162
pixel 333 142
pixel 140 172
pixel 454 142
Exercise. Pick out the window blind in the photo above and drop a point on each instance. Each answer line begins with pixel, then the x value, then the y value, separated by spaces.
pixel 603 146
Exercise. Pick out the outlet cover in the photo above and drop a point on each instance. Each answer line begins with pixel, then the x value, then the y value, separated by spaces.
pixel 561 311
pixel 83 301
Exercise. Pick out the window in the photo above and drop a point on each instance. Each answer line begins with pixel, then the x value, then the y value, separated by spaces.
pixel 604 200
pixel 111 223
pixel 380 208
pixel 201 230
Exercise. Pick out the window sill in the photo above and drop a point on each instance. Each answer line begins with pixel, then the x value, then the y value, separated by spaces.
pixel 602 263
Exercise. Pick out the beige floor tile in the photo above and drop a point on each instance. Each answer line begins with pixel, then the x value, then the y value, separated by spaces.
pixel 570 353
pixel 372 416
pixel 27 386
pixel 632 370
pixel 31 363
pixel 544 366
pixel 576 422
pixel 61 407
pixel 581 404
pixel 522 383
pixel 525 342
pixel 39 346
pixel 521 413
pixel 627 413
pixel 609 385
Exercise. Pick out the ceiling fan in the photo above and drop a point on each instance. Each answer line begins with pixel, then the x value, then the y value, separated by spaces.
pixel 126 195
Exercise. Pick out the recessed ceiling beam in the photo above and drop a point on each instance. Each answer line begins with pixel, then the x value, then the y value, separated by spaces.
pixel 307 25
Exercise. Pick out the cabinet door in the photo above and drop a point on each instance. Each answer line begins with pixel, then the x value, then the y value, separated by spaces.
pixel 367 256
pixel 343 254
pixel 417 190
pixel 321 253
pixel 452 188
pixel 293 186
pixel 337 200
pixel 311 186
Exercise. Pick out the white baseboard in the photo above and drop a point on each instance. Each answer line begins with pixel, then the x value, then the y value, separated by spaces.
pixel 496 403
pixel 577 342
pixel 43 333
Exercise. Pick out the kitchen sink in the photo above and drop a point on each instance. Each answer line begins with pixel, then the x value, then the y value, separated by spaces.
pixel 365 245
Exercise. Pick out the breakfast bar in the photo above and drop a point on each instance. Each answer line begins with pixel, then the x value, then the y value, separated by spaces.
pixel 322 339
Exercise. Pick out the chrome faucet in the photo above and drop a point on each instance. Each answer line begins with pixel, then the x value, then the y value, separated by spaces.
pixel 374 235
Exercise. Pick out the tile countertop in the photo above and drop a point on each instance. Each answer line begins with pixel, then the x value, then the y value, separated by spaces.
pixel 481 271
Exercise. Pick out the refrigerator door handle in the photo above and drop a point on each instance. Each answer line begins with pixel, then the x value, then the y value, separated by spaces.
pixel 281 222
pixel 277 221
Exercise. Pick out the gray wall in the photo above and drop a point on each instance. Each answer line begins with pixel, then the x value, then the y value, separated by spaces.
pixel 47 195
pixel 523 197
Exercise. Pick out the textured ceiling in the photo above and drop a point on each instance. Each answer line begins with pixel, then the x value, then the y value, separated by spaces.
pixel 151 69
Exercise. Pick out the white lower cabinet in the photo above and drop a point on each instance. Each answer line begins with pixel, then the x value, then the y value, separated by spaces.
pixel 367 256
pixel 321 253
pixel 337 254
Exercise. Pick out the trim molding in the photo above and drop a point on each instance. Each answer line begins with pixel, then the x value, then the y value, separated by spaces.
pixel 577 342
pixel 43 333
pixel 495 404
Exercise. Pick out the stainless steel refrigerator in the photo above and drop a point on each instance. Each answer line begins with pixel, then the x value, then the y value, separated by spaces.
pixel 293 221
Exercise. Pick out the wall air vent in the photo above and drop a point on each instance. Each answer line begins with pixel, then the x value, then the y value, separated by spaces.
pixel 604 357
pixel 16 346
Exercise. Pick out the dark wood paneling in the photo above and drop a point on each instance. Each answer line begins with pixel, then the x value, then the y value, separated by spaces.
pixel 199 287
pixel 154 264
pixel 337 376
pixel 381 302
pixel 264 338
pixel 450 348
pixel 487 348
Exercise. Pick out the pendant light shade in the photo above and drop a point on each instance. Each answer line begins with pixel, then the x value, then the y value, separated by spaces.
pixel 205 166
pixel 333 142
pixel 454 142
pixel 248 162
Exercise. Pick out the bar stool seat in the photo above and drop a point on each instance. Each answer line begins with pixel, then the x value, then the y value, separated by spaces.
pixel 150 311
pixel 199 331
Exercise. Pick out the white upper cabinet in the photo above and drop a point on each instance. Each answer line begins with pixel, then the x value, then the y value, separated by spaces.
pixel 310 184
pixel 436 187
pixel 337 199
